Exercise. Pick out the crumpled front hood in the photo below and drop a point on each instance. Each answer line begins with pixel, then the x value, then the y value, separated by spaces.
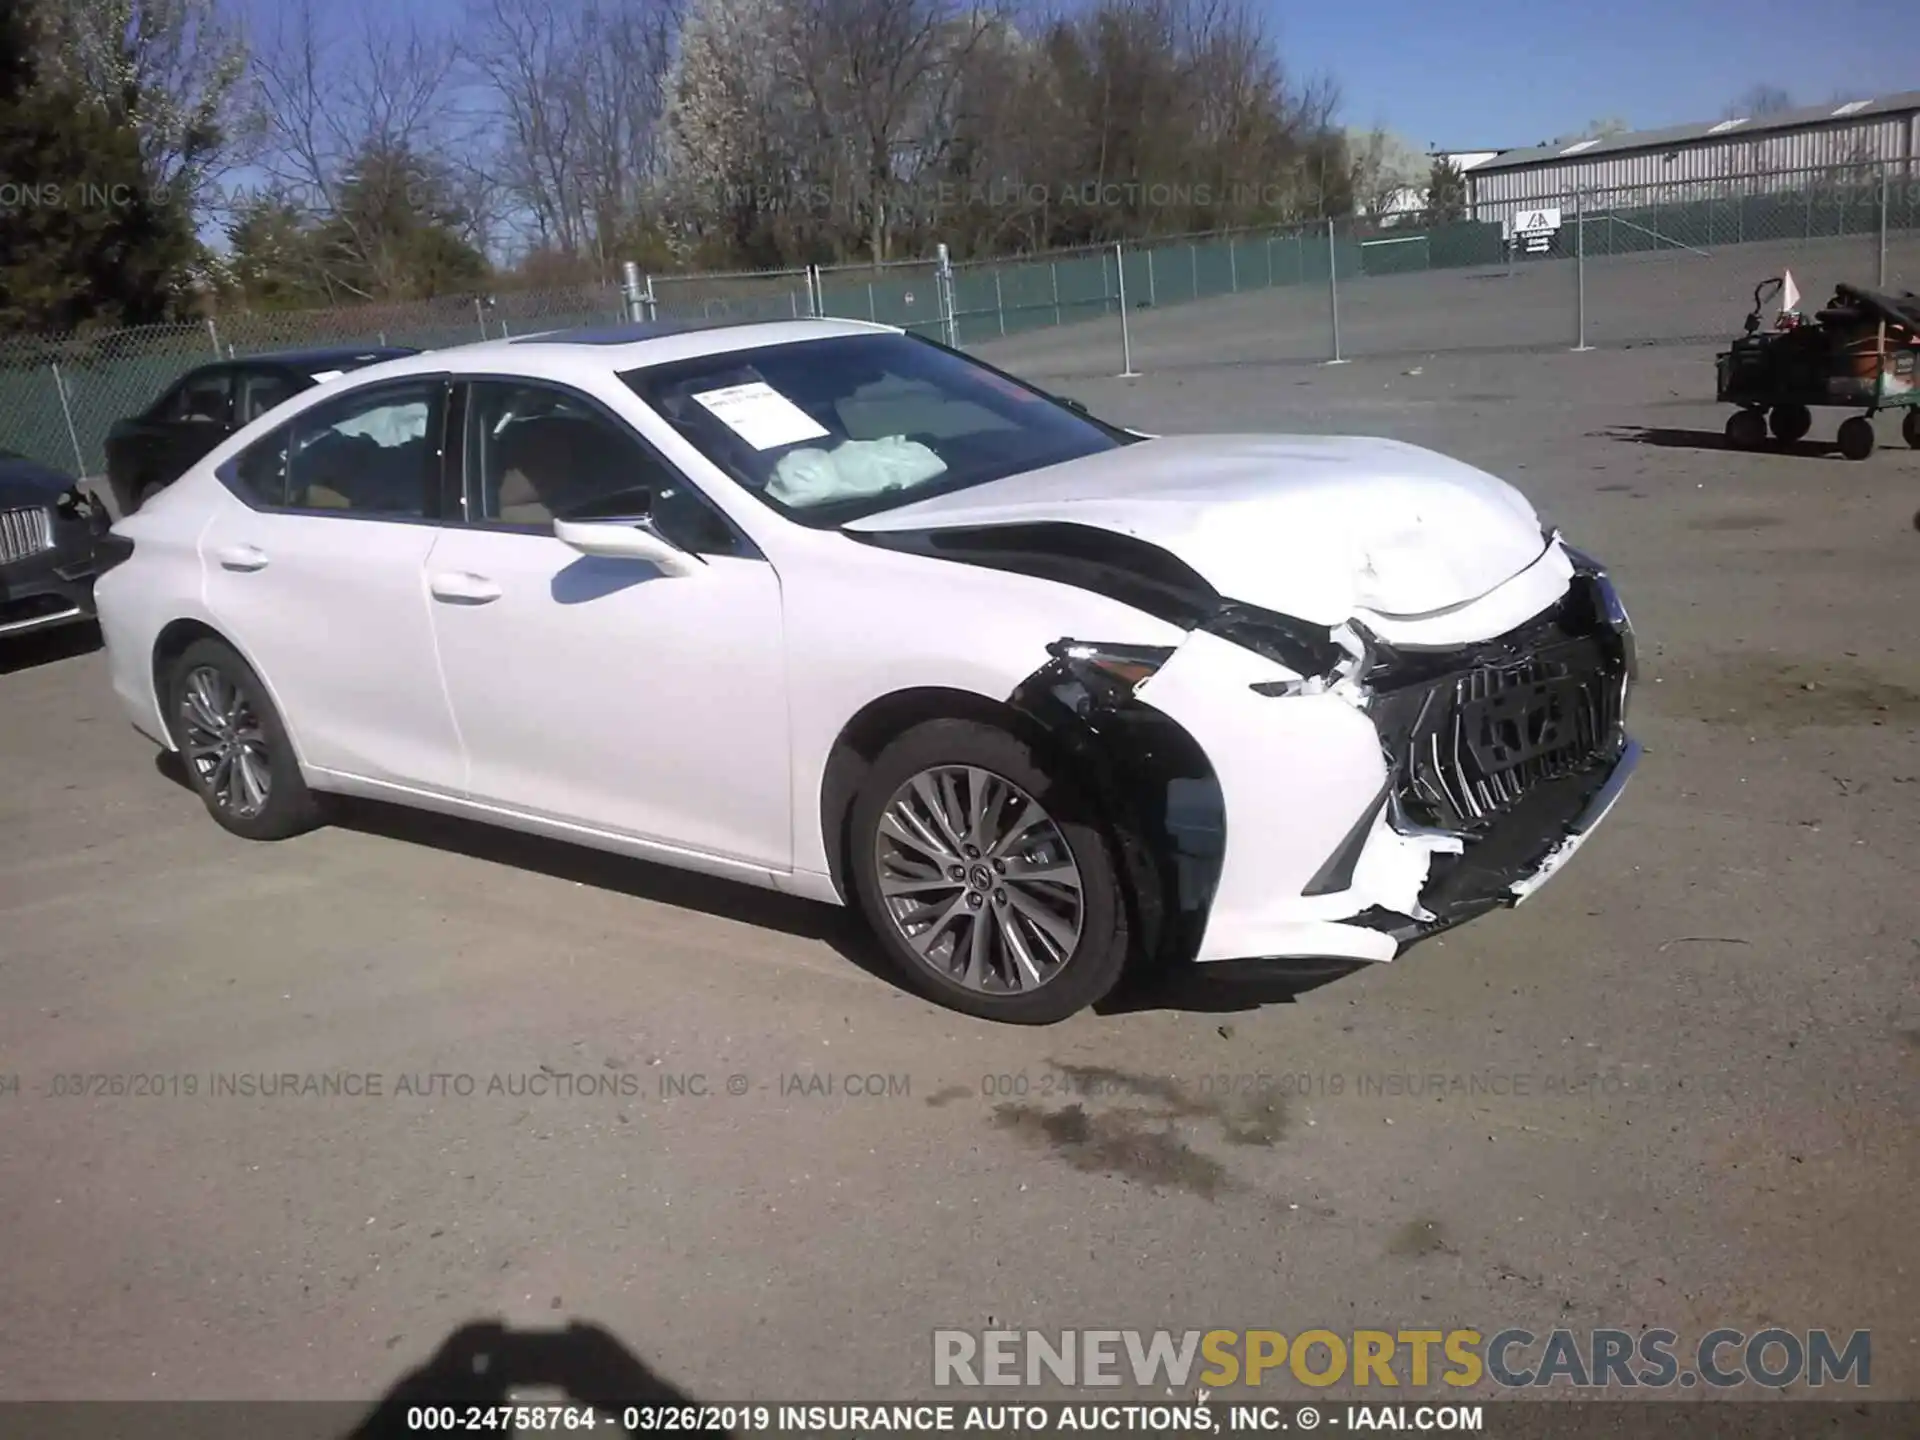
pixel 1317 527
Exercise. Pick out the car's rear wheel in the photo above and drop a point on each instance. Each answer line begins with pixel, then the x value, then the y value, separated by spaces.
pixel 988 878
pixel 238 757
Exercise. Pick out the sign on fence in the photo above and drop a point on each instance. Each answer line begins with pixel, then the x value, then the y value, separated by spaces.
pixel 1534 229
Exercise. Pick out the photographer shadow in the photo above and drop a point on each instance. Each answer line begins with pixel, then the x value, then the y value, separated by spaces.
pixel 484 1363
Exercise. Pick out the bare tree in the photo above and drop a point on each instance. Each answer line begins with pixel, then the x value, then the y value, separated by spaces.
pixel 360 135
pixel 882 78
pixel 175 70
pixel 1758 101
pixel 581 94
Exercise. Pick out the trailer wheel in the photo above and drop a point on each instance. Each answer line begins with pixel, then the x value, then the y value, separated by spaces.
pixel 1910 428
pixel 1856 438
pixel 1790 423
pixel 1746 428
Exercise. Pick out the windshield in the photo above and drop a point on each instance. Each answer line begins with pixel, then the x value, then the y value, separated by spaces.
pixel 827 431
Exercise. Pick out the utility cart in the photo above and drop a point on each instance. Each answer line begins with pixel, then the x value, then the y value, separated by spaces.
pixel 1862 352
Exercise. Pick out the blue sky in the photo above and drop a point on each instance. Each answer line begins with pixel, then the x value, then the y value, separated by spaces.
pixel 1494 74
pixel 1501 73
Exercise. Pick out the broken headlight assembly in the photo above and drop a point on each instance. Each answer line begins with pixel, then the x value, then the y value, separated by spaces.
pixel 1104 673
pixel 1307 650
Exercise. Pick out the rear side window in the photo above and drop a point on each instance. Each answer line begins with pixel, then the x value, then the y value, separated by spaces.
pixel 260 474
pixel 373 452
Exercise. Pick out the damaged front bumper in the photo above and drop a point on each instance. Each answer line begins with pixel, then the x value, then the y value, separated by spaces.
pixel 1431 786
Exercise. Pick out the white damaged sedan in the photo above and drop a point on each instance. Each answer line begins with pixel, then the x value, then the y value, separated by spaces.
pixel 828 608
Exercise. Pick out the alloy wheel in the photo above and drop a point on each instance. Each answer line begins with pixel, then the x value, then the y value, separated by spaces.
pixel 979 880
pixel 224 742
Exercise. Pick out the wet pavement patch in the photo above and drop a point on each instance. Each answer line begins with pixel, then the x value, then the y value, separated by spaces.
pixel 1767 692
pixel 1127 1125
pixel 1417 1238
pixel 1125 1144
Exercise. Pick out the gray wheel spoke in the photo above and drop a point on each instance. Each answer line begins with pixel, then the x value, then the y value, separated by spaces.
pixel 1028 972
pixel 901 824
pixel 930 793
pixel 253 779
pixel 199 704
pixel 980 949
pixel 893 885
pixel 923 941
pixel 1031 816
pixel 1019 893
pixel 987 825
pixel 225 742
pixel 1058 872
pixel 1051 927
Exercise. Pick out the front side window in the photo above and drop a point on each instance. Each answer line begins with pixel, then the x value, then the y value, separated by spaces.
pixel 374 452
pixel 535 454
pixel 829 430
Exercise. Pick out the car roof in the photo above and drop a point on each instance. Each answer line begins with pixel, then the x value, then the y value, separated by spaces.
pixel 334 356
pixel 617 348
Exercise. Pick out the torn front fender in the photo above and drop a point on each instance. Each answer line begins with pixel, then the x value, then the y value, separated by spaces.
pixel 1301 778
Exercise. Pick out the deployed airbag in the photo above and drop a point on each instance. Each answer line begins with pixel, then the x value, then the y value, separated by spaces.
pixel 853 469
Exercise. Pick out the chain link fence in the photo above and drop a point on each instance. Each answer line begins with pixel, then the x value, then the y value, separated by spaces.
pixel 1625 265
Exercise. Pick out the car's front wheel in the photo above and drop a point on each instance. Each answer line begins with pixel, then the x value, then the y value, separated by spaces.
pixel 238 757
pixel 988 878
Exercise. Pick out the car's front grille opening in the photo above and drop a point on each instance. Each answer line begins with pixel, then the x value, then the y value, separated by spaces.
pixel 1488 736
pixel 1473 731
pixel 25 532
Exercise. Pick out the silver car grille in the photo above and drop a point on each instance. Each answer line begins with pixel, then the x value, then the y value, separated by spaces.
pixel 25 532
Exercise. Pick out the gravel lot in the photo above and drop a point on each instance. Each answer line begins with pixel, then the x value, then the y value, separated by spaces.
pixel 1682 1086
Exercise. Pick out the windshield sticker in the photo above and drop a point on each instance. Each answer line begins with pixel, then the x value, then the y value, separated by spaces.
pixel 761 415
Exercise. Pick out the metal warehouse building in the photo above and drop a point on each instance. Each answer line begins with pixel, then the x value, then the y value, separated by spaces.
pixel 1699 162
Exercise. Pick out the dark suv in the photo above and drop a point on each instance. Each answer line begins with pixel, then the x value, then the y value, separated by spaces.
pixel 149 451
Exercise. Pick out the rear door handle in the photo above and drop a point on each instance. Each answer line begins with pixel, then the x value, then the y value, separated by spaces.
pixel 462 587
pixel 242 557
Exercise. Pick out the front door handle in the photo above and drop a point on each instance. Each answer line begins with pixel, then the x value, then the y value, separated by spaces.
pixel 244 558
pixel 462 587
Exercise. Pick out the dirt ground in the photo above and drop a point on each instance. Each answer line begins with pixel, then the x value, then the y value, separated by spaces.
pixel 1679 1088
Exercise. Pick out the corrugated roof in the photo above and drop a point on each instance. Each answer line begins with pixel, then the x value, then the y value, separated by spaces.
pixel 1906 100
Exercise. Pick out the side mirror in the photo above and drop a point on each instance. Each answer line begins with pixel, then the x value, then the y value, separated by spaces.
pixel 629 539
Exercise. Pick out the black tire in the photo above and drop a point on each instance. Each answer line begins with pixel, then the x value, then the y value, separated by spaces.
pixel 1746 429
pixel 1910 428
pixel 1790 423
pixel 289 807
pixel 1856 437
pixel 1100 948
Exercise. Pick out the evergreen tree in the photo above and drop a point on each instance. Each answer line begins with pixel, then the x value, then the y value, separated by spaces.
pixel 83 242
